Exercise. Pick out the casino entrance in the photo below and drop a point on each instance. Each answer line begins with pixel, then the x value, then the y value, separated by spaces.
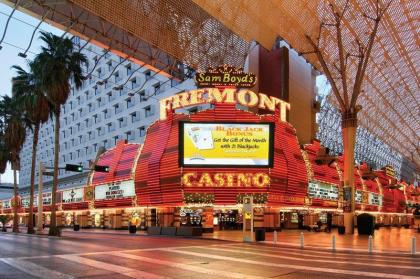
pixel 227 219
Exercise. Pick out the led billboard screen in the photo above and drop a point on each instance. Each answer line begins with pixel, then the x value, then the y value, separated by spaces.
pixel 226 144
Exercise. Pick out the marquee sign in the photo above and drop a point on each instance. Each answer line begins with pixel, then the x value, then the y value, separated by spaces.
pixel 115 190
pixel 73 195
pixel 243 97
pixel 321 190
pixel 7 204
pixel 193 179
pixel 26 202
pixel 46 198
pixel 225 75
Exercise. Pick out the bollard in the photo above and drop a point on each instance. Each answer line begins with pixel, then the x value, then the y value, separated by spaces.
pixel 413 245
pixel 370 244
pixel 275 238
pixel 333 243
pixel 301 240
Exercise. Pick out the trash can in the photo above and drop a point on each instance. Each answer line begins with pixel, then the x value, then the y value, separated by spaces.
pixel 132 229
pixel 76 228
pixel 365 224
pixel 259 234
pixel 341 230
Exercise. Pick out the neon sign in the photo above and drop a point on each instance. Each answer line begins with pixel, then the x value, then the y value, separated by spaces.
pixel 226 179
pixel 243 97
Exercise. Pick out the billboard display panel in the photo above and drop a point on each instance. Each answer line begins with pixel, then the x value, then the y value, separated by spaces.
pixel 226 144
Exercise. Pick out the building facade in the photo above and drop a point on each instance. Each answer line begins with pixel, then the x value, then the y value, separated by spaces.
pixel 118 100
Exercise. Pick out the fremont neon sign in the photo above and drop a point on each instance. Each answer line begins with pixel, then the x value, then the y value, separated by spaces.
pixel 243 97
pixel 205 179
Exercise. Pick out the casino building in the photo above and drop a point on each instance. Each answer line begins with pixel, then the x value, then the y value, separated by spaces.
pixel 195 170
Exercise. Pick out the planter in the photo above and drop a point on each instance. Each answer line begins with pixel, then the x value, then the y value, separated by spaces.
pixel 259 234
pixel 76 228
pixel 132 229
pixel 189 231
pixel 341 230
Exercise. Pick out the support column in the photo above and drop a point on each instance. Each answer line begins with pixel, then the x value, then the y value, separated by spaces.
pixel 349 127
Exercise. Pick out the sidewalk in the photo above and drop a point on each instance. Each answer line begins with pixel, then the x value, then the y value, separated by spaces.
pixel 384 240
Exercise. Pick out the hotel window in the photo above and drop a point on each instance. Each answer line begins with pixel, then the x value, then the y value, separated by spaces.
pixel 78 100
pixel 71 105
pixel 148 111
pixel 109 94
pixel 133 82
pixel 105 143
pixel 115 140
pixel 134 117
pixel 72 142
pixel 142 131
pixel 90 107
pixel 157 89
pixel 95 118
pixel 95 147
pixel 129 135
pixel 129 71
pixel 147 75
pixel 121 122
pixel 109 64
pixel 129 103
pixel 142 96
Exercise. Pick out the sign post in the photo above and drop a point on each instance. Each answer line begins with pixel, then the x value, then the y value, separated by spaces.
pixel 40 205
pixel 248 219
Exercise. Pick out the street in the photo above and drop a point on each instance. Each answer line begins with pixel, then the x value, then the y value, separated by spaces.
pixel 99 255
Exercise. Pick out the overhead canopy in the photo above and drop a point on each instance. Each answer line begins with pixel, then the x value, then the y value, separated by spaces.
pixel 391 97
pixel 205 33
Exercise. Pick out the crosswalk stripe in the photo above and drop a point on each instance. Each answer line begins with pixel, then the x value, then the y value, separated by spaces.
pixel 298 267
pixel 342 249
pixel 130 272
pixel 308 260
pixel 187 267
pixel 35 270
pixel 330 255
pixel 326 250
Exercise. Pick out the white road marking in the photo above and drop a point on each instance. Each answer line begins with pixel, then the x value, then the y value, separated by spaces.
pixel 187 267
pixel 308 260
pixel 35 270
pixel 130 272
pixel 343 249
pixel 327 250
pixel 330 255
pixel 298 267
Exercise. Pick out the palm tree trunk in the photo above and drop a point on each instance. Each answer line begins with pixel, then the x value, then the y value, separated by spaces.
pixel 15 206
pixel 53 225
pixel 31 199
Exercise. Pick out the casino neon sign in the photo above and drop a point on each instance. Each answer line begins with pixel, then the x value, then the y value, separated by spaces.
pixel 225 179
pixel 243 97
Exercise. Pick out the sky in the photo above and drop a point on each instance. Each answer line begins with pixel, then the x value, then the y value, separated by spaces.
pixel 17 38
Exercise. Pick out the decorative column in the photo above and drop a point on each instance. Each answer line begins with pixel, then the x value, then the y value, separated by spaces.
pixel 349 127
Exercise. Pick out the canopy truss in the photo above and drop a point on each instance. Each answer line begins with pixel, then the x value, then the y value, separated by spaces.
pixel 163 34
pixel 391 97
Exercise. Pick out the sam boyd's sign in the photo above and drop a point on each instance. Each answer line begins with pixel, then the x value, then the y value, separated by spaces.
pixel 73 195
pixel 115 190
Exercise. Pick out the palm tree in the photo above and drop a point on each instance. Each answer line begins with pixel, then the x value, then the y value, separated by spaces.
pixel 37 108
pixel 15 124
pixel 57 64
